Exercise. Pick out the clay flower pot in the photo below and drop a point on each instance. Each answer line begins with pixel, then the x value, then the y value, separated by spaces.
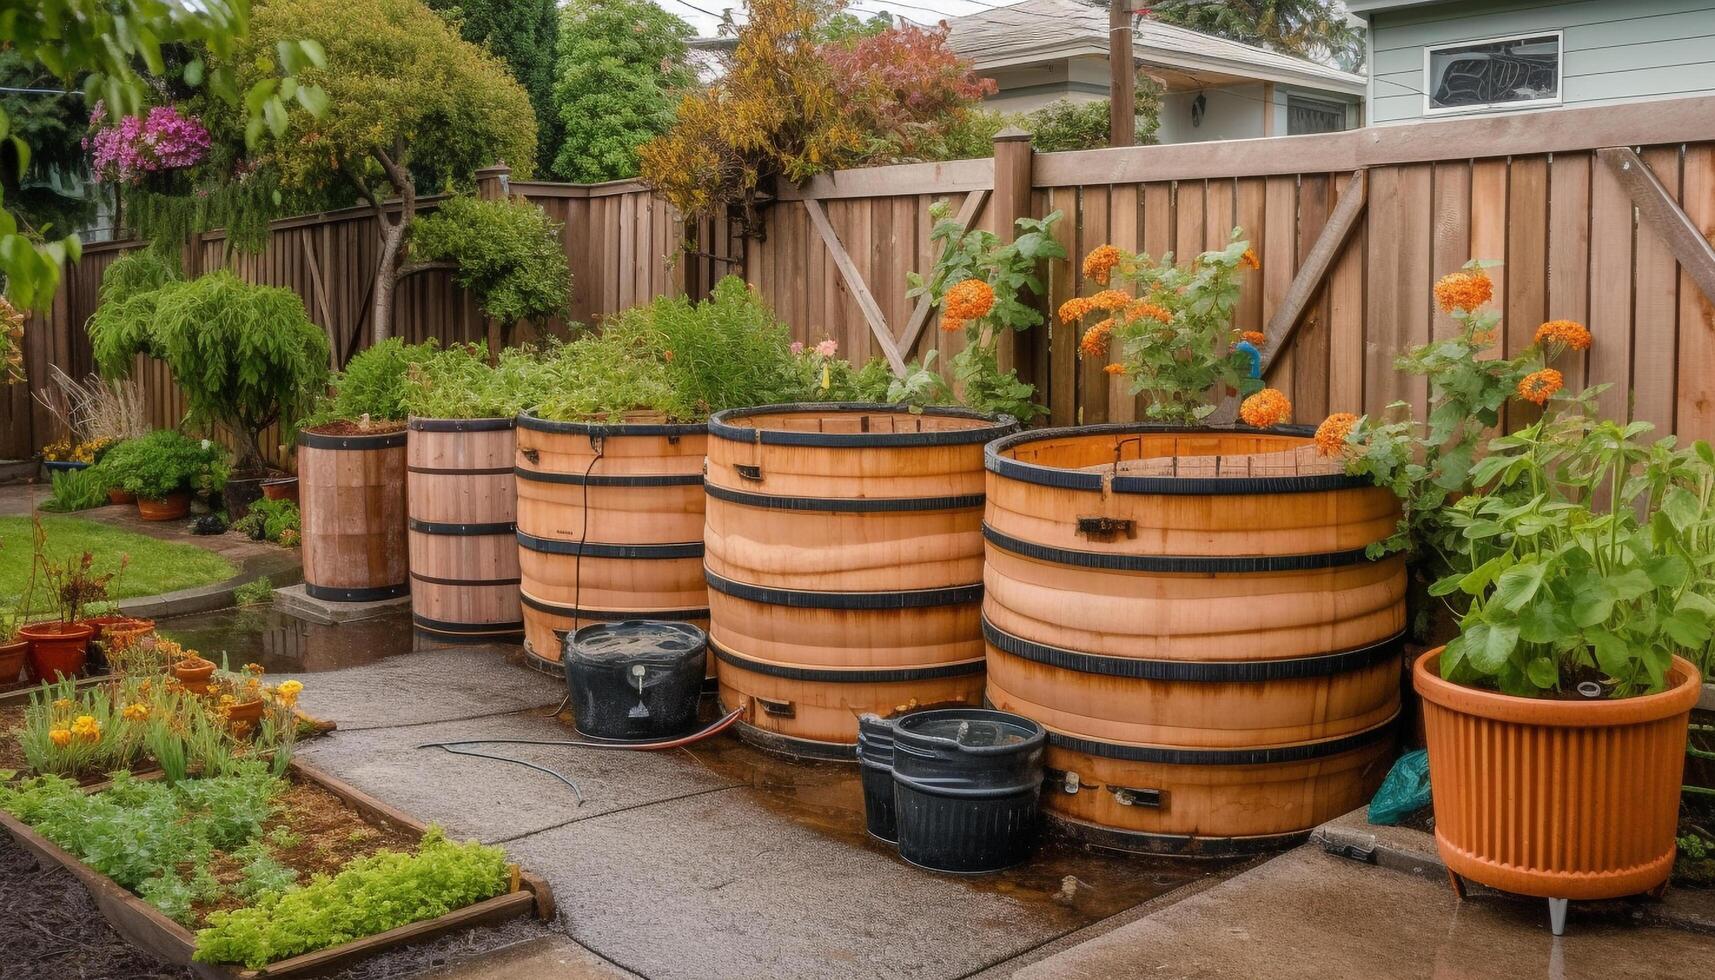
pixel 107 627
pixel 1559 799
pixel 169 508
pixel 118 495
pixel 122 635
pixel 12 657
pixel 194 674
pixel 285 488
pixel 245 713
pixel 56 649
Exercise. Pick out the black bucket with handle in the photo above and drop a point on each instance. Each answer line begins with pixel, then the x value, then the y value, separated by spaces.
pixel 875 762
pixel 966 788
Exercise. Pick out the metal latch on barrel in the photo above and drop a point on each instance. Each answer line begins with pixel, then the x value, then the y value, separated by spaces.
pixel 1106 528
pixel 779 709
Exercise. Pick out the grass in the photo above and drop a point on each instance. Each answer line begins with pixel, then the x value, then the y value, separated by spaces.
pixel 156 566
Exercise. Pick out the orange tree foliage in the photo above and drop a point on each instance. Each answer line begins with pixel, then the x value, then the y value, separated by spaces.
pixel 904 89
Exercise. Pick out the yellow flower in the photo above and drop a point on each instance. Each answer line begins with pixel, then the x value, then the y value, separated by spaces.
pixel 136 712
pixel 1332 433
pixel 1266 408
pixel 1565 333
pixel 254 668
pixel 288 691
pixel 86 728
pixel 1099 264
pixel 1465 290
pixel 1539 386
pixel 60 737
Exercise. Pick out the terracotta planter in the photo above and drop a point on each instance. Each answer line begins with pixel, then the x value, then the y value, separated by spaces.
pixel 56 649
pixel 1557 799
pixel 285 488
pixel 12 657
pixel 244 713
pixel 116 495
pixel 194 674
pixel 122 635
pixel 107 627
pixel 169 508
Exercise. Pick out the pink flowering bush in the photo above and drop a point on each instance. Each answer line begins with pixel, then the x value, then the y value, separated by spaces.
pixel 141 145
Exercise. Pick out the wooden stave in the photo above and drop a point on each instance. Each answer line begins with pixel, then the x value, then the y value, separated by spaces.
pixel 463 554
pixel 372 562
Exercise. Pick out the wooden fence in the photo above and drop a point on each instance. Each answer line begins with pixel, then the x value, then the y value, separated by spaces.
pixel 1352 230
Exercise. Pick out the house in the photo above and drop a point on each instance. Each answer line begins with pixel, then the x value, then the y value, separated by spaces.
pixel 1432 59
pixel 1039 51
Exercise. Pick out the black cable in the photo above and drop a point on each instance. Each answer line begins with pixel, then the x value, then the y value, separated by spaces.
pixel 448 746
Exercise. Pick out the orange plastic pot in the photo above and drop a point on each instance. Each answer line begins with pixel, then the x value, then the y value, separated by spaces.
pixel 1557 799
pixel 12 656
pixel 56 649
pixel 169 508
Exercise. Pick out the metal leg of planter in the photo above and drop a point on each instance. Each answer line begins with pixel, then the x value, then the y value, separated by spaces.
pixel 1557 916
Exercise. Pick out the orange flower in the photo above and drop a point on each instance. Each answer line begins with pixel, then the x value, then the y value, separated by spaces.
pixel 60 737
pixel 1249 259
pixel 1539 386
pixel 1331 434
pixel 1099 264
pixel 1111 299
pixel 970 299
pixel 1565 333
pixel 1266 408
pixel 1256 338
pixel 1095 341
pixel 1076 309
pixel 1465 290
pixel 952 324
pixel 1115 369
pixel 1142 310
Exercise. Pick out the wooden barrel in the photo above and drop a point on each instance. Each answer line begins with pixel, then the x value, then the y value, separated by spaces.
pixel 610 527
pixel 1192 616
pixel 351 488
pixel 464 548
pixel 844 565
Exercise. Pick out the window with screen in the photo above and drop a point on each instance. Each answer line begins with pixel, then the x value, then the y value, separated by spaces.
pixel 1503 72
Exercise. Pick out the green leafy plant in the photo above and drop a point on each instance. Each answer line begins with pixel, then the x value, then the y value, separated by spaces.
pixel 372 389
pixel 458 382
pixel 162 463
pixel 124 322
pixel 78 489
pixel 620 67
pixel 369 895
pixel 279 521
pixel 507 253
pixel 984 287
pixel 1065 125
pixel 254 592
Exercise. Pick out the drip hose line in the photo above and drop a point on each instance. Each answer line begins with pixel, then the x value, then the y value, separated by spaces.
pixel 450 747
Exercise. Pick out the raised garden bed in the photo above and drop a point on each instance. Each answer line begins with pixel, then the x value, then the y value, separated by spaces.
pixel 146 926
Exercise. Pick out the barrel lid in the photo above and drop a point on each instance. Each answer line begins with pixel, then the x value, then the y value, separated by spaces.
pixel 636 641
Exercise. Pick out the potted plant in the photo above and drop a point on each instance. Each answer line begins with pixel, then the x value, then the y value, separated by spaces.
pixel 162 469
pixel 193 671
pixel 60 647
pixel 13 649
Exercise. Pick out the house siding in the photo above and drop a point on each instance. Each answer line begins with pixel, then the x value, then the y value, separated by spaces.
pixel 1614 50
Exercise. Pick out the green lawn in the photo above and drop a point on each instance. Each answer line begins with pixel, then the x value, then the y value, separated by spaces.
pixel 155 567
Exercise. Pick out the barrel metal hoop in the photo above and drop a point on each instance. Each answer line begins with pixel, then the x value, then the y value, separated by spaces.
pixel 460 425
pixel 609 615
pixel 461 470
pixel 721 427
pixel 530 420
pixel 468 629
pixel 594 549
pixel 1194 564
pixel 797 599
pixel 462 530
pixel 463 582
pixel 1197 671
pixel 380 440
pixel 580 480
pixel 851 505
pixel 357 595
pixel 894 675
pixel 1226 757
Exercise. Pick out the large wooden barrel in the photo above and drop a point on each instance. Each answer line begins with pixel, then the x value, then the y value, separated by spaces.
pixel 351 489
pixel 464 549
pixel 844 565
pixel 610 526
pixel 1192 616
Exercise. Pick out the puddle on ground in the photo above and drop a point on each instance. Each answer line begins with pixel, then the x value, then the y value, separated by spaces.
pixel 285 644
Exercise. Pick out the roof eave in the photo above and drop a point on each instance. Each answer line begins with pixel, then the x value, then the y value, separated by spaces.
pixel 1166 58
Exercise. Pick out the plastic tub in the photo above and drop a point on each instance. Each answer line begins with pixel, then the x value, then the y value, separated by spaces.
pixel 637 679
pixel 966 784
pixel 875 761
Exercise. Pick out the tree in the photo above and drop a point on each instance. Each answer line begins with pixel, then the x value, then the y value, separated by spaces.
pixel 412 103
pixel 1066 125
pixel 621 67
pixel 508 253
pixel 905 89
pixel 1314 29
pixel 50 194
pixel 523 33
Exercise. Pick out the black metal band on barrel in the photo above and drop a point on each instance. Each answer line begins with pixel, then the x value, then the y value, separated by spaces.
pixel 1196 671
pixel 462 530
pixel 468 629
pixel 995 461
pixel 1196 564
pixel 914 599
pixel 610 615
pixel 598 480
pixel 849 505
pixel 380 440
pixel 721 426
pixel 357 595
pixel 593 549
pixel 1278 755
pixel 891 675
pixel 462 582
pixel 529 420
pixel 461 425
pixel 461 470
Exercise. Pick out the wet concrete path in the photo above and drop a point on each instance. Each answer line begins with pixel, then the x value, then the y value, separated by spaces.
pixel 714 860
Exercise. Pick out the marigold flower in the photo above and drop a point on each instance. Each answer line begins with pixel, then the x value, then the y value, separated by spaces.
pixel 136 712
pixel 60 737
pixel 1099 264
pixel 1095 341
pixel 970 299
pixel 1332 433
pixel 1249 259
pixel 1076 309
pixel 1566 333
pixel 1111 299
pixel 86 728
pixel 1266 408
pixel 1256 338
pixel 952 324
pixel 1466 290
pixel 254 668
pixel 1539 386
pixel 1115 369
pixel 62 704
pixel 1143 310
pixel 288 691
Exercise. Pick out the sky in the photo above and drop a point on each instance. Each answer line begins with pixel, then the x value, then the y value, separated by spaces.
pixel 705 15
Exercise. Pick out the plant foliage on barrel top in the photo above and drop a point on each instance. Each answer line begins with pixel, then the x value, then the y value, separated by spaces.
pixel 371 392
pixel 458 382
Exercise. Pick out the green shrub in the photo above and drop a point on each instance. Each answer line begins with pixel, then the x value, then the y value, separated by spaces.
pixel 123 325
pixel 508 254
pixel 459 383
pixel 254 592
pixel 373 385
pixel 162 463
pixel 270 520
pixel 368 896
pixel 78 489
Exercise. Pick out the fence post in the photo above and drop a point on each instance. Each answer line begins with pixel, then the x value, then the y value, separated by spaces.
pixel 494 183
pixel 1013 158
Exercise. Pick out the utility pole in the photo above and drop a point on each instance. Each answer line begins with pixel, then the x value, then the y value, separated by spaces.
pixel 1122 76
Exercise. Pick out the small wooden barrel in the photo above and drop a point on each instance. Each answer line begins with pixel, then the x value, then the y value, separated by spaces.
pixel 464 548
pixel 1191 615
pixel 610 527
pixel 351 489
pixel 844 565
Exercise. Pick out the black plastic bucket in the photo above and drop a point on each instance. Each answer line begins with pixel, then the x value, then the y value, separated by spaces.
pixel 966 783
pixel 635 680
pixel 875 762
